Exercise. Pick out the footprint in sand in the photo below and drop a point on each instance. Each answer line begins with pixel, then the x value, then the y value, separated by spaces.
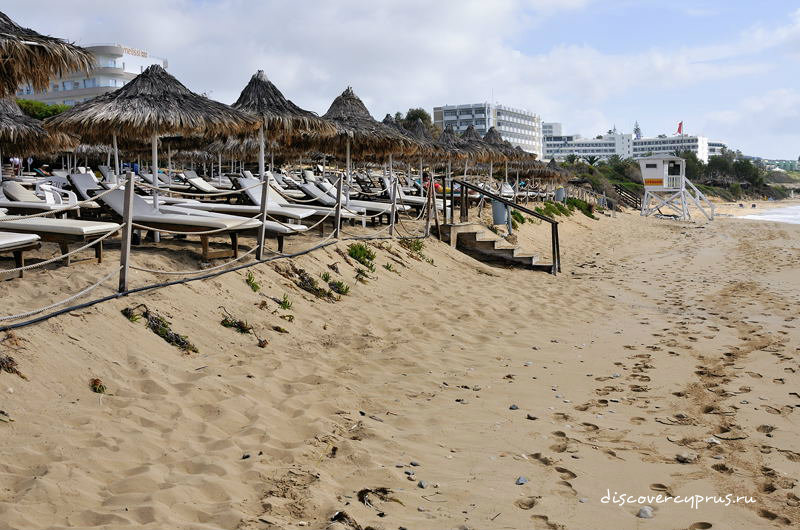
pixel 637 420
pixel 661 488
pixel 566 474
pixel 587 427
pixel 772 516
pixel 542 522
pixel 722 468
pixel 539 457
pixel 526 503
pixel 702 525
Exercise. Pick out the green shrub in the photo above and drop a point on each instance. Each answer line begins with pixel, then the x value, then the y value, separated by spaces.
pixel 518 217
pixel 285 303
pixel 362 254
pixel 339 287
pixel 326 276
pixel 251 281
pixel 585 208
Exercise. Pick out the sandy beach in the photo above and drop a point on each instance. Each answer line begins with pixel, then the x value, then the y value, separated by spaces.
pixel 452 394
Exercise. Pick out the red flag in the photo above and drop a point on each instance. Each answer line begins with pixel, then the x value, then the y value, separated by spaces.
pixel 680 128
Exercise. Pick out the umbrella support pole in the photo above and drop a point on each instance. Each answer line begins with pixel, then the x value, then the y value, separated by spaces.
pixel 393 196
pixel 339 192
pixel 127 231
pixel 116 154
pixel 154 149
pixel 264 193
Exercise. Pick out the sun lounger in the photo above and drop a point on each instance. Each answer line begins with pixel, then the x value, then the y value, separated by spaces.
pixel 86 186
pixel 410 200
pixel 375 207
pixel 289 191
pixel 61 231
pixel 164 182
pixel 254 195
pixel 18 244
pixel 172 217
pixel 18 199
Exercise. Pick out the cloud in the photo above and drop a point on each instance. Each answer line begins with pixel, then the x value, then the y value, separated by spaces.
pixel 399 54
pixel 763 117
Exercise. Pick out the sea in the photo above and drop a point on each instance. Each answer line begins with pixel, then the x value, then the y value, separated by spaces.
pixel 789 214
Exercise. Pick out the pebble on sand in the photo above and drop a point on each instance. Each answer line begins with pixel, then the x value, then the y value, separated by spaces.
pixel 645 512
pixel 521 481
pixel 414 463
pixel 422 484
pixel 686 458
pixel 513 407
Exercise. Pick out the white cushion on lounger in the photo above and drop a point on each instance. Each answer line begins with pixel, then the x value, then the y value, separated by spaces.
pixel 10 240
pixel 254 194
pixel 72 227
pixel 202 185
pixel 17 192
pixel 144 213
pixel 246 209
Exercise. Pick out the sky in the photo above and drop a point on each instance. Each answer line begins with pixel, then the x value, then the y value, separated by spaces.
pixel 727 68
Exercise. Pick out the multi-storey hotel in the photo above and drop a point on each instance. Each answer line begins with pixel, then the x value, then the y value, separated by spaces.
pixel 115 66
pixel 604 146
pixel 629 145
pixel 520 127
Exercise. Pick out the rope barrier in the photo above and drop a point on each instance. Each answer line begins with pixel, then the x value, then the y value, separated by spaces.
pixel 194 271
pixel 201 233
pixel 62 256
pixel 293 231
pixel 65 301
pixel 69 207
pixel 292 199
pixel 196 193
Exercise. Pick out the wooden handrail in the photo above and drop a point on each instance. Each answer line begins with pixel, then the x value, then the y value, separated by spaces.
pixel 555 246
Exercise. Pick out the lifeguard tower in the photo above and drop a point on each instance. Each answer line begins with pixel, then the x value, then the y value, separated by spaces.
pixel 666 186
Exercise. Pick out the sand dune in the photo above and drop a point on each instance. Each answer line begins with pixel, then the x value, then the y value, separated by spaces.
pixel 659 338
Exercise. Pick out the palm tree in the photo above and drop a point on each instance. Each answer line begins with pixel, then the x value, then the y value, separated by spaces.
pixel 591 159
pixel 571 159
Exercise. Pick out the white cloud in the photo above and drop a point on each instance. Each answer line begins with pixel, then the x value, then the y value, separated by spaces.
pixel 401 53
pixel 760 119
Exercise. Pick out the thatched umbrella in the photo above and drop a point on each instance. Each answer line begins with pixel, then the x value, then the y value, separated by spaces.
pixel 358 131
pixel 19 133
pixel 484 151
pixel 277 115
pixel 29 57
pixel 153 104
pixel 495 139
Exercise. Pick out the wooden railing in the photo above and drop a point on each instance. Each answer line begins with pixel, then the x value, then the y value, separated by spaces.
pixel 554 267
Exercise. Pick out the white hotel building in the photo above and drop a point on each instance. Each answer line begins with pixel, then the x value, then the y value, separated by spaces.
pixel 520 127
pixel 628 146
pixel 115 66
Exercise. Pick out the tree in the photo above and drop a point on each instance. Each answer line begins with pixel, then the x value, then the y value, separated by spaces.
pixel 695 168
pixel 745 171
pixel 719 167
pixel 422 114
pixel 571 159
pixel 591 159
pixel 412 115
pixel 39 110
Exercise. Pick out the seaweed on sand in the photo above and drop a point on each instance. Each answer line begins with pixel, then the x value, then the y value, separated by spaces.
pixel 160 326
